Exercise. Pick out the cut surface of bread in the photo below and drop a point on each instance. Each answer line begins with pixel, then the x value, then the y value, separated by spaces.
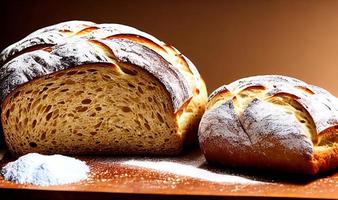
pixel 84 88
pixel 274 122
pixel 91 109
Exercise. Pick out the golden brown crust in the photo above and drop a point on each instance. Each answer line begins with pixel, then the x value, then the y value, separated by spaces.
pixel 271 122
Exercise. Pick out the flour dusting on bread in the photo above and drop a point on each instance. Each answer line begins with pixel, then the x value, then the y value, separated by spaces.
pixel 292 126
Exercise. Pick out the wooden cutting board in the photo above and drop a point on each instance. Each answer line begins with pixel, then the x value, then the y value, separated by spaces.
pixel 187 175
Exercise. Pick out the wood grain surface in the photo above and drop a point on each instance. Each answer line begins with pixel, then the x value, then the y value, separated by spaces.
pixel 184 176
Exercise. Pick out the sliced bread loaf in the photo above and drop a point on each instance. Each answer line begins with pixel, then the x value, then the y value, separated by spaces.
pixel 84 88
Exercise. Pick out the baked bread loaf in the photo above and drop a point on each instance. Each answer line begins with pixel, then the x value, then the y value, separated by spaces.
pixel 84 88
pixel 271 122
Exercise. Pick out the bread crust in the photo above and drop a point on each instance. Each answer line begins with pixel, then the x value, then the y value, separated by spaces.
pixel 282 124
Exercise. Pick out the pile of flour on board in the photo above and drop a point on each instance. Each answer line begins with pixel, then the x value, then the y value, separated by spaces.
pixel 45 170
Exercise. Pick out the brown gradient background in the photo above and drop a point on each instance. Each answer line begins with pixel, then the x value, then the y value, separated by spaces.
pixel 226 40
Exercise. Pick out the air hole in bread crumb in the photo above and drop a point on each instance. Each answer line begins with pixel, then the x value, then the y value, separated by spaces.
pixel 126 109
pixel 43 136
pixel 140 89
pixel 49 116
pixel 64 90
pixel 302 121
pixel 150 99
pixel 98 125
pixel 48 108
pixel 106 77
pixel 81 72
pixel 86 101
pixel 131 85
pixel 34 123
pixel 147 126
pixel 151 87
pixel 53 131
pixel 33 144
pixel 137 122
pixel 160 118
pixel 81 109
pixel 7 113
pixel 98 108
pixel 93 133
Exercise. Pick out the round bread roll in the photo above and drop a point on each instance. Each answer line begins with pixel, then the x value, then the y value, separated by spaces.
pixel 271 122
pixel 83 88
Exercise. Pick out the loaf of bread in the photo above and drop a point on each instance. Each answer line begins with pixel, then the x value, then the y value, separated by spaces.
pixel 83 88
pixel 271 122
